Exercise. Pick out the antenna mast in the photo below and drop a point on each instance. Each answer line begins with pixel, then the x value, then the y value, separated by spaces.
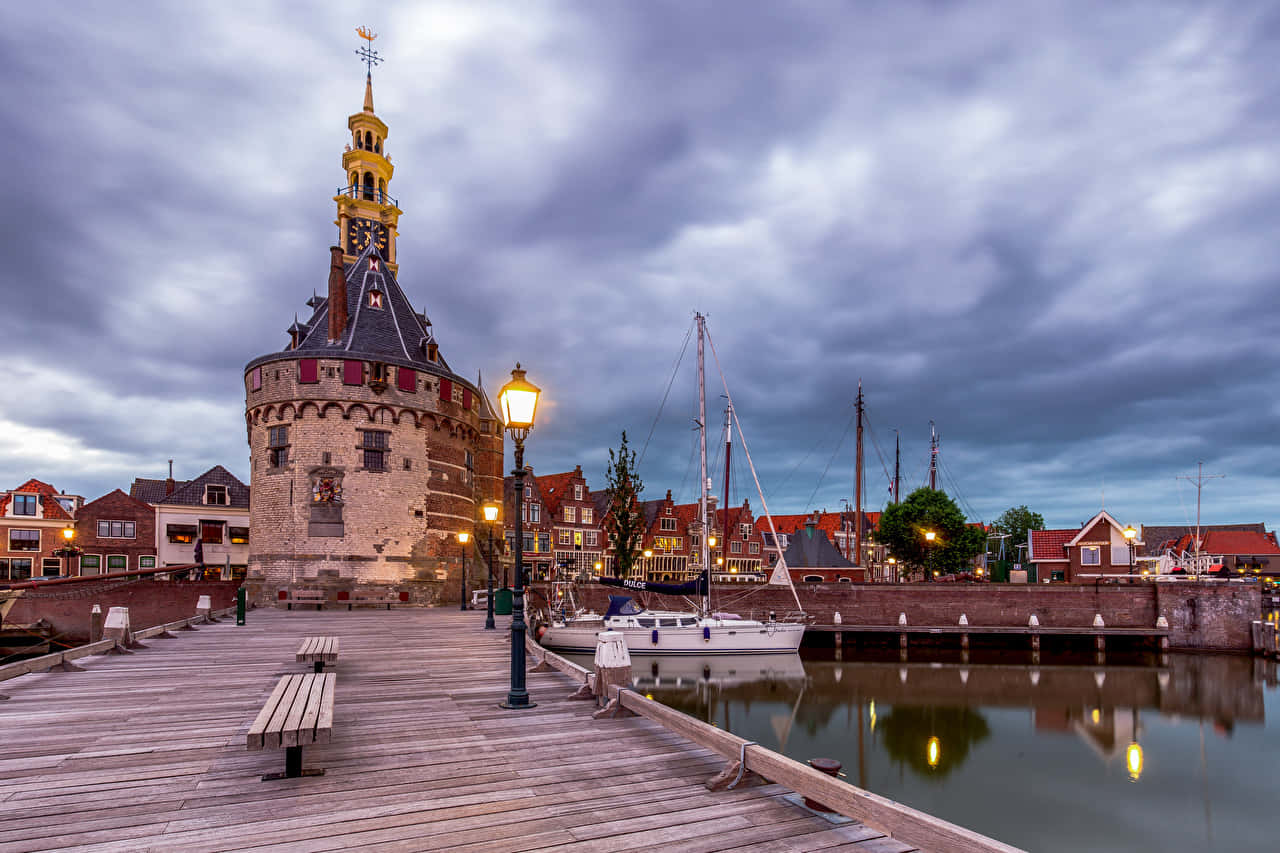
pixel 857 489
pixel 933 457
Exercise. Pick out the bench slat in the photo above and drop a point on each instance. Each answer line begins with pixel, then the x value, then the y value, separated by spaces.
pixel 255 737
pixel 324 720
pixel 291 733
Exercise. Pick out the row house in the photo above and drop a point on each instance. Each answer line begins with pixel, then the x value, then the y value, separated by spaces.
pixel 739 546
pixel 839 529
pixel 32 518
pixel 1096 548
pixel 116 533
pixel 536 529
pixel 577 531
pixel 212 510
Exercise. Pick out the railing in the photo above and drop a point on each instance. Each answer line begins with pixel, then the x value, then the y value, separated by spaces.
pixel 892 818
pixel 368 194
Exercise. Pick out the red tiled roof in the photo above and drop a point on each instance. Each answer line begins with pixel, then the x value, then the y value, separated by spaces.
pixel 52 509
pixel 1239 542
pixel 1048 544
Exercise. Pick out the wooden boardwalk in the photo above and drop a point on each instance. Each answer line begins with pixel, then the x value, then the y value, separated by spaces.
pixel 147 752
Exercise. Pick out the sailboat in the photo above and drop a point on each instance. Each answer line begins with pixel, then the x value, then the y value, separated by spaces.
pixel 669 632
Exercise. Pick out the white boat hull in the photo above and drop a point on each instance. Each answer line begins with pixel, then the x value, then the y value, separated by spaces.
pixel 722 638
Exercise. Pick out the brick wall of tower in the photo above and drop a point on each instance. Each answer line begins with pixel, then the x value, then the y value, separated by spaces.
pixel 400 524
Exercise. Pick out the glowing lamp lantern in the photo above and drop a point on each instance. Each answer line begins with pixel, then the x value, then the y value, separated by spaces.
pixel 518 401
pixel 68 533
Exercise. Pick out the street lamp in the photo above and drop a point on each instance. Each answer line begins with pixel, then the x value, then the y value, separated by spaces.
pixel 929 536
pixel 490 511
pixel 1129 534
pixel 463 539
pixel 648 567
pixel 518 401
pixel 68 549
pixel 893 567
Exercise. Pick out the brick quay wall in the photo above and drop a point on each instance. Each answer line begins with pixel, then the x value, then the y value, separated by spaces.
pixel 1202 616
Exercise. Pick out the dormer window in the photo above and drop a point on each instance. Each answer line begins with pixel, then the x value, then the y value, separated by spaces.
pixel 375 298
pixel 25 505
pixel 215 495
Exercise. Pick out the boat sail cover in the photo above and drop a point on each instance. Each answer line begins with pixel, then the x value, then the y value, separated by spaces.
pixel 693 587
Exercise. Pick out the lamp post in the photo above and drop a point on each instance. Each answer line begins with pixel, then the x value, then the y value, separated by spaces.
pixel 648 564
pixel 518 401
pixel 490 511
pixel 68 549
pixel 929 536
pixel 1129 535
pixel 893 569
pixel 463 539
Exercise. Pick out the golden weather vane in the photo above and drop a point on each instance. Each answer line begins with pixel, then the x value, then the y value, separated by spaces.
pixel 367 53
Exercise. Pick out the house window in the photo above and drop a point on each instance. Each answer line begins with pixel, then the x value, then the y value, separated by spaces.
pixel 92 562
pixel 24 504
pixel 376 445
pixel 19 568
pixel 51 567
pixel 378 373
pixel 695 541
pixel 146 562
pixel 210 534
pixel 544 543
pixel 215 495
pixel 24 540
pixel 278 444
pixel 746 530
pixel 570 514
pixel 238 535
pixel 535 513
pixel 590 537
pixel 577 491
pixel 735 547
pixel 1090 555
pixel 587 515
pixel 115 530
pixel 564 538
pixel 470 461
pixel 668 524
pixel 117 562
pixel 768 538
pixel 753 547
pixel 181 534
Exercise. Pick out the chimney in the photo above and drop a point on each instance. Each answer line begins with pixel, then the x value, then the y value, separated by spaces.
pixel 337 294
pixel 169 484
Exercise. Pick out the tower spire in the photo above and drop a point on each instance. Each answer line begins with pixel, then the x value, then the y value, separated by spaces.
pixel 368 93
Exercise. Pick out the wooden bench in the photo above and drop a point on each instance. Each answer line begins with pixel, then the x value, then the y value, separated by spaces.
pixel 298 713
pixel 290 597
pixel 377 599
pixel 319 651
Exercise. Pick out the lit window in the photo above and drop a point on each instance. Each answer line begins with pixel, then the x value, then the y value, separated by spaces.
pixel 590 538
pixel 587 515
pixel 1090 555
pixel 564 538
pixel 753 547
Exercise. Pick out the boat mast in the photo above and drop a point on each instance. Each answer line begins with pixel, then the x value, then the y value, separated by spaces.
pixel 857 489
pixel 728 449
pixel 897 465
pixel 1199 479
pixel 933 457
pixel 704 482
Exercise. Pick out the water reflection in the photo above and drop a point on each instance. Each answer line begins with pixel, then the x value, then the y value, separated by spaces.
pixel 1052 757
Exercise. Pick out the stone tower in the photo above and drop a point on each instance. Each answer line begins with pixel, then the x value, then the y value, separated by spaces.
pixel 368 453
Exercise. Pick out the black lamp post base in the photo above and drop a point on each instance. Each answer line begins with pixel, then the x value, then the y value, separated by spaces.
pixel 520 706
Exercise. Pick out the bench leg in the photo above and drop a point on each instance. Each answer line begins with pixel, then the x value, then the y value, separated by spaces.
pixel 293 766
pixel 319 666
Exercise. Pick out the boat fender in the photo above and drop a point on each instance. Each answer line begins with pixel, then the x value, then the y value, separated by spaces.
pixel 654 637
pixel 706 633
pixel 540 632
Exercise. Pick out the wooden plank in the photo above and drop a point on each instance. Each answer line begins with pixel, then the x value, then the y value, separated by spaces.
pixel 272 736
pixel 259 725
pixel 324 720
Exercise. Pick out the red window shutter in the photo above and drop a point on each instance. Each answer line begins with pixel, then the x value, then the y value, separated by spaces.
pixel 353 373
pixel 406 379
pixel 308 371
pixel 257 379
pixel 446 389
pixel 466 398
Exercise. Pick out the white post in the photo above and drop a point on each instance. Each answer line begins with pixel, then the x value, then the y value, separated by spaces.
pixel 117 626
pixel 613 668
pixel 204 607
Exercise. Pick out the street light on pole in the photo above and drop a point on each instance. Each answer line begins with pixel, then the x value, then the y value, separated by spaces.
pixel 490 511
pixel 463 539
pixel 929 536
pixel 518 401
pixel 1129 535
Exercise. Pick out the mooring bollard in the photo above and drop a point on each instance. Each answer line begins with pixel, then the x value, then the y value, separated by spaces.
pixel 613 668
pixel 832 768
pixel 240 604
pixel 204 608
pixel 95 623
pixel 116 627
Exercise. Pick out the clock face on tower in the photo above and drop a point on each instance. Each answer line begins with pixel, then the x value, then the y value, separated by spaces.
pixel 361 231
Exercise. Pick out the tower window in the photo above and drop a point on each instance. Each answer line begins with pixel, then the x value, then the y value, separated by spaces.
pixel 368 186
pixel 377 145
pixel 376 445
pixel 368 139
pixel 278 446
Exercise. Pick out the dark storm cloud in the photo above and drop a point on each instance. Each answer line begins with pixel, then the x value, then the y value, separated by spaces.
pixel 1048 227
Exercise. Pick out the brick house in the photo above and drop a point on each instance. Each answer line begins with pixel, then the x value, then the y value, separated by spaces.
pixel 739 544
pixel 577 534
pixel 839 530
pixel 116 533
pixel 536 527
pixel 32 518
pixel 812 557
pixel 1082 554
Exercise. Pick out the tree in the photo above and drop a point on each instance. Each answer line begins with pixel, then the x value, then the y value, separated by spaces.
pixel 624 522
pixel 903 527
pixel 1016 521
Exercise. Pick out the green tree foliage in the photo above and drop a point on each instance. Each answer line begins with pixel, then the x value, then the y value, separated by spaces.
pixel 903 527
pixel 1016 521
pixel 624 523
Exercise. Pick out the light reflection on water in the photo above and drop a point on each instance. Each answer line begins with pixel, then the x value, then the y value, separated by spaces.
pixel 1065 757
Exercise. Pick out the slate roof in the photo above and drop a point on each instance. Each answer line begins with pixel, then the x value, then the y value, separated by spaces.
pixel 192 492
pixel 809 548
pixel 143 506
pixel 395 334
pixel 1049 544
pixel 48 499
pixel 152 491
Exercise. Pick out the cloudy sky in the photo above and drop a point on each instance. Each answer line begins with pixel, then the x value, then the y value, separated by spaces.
pixel 1051 228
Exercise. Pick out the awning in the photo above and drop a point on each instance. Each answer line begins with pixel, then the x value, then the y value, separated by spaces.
pixel 179 529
